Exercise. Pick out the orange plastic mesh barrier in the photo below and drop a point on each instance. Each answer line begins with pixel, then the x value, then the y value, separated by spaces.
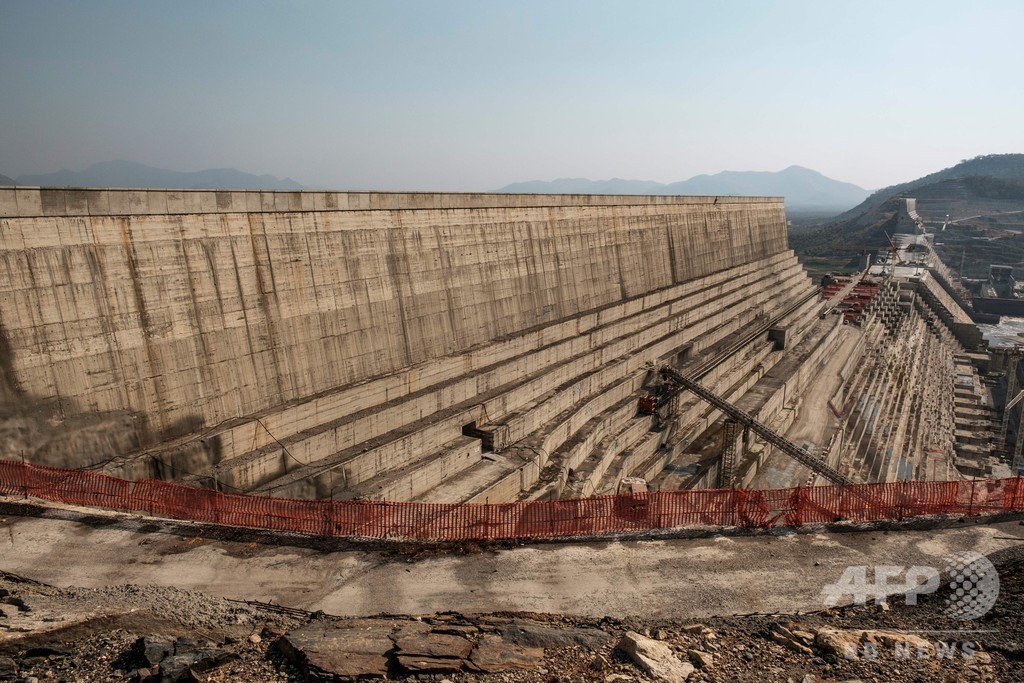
pixel 78 487
pixel 522 519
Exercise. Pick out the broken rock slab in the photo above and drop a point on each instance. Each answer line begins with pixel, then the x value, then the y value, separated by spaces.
pixel 432 644
pixel 654 658
pixel 847 643
pixel 182 659
pixel 703 660
pixel 783 636
pixel 535 634
pixel 149 651
pixel 423 664
pixel 375 648
pixel 419 650
pixel 356 648
pixel 190 666
pixel 494 654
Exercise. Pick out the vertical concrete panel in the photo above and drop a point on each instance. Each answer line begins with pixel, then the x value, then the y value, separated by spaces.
pixel 253 202
pixel 77 202
pixel 156 202
pixel 138 202
pixel 191 201
pixel 119 202
pixel 175 202
pixel 208 202
pixel 8 202
pixel 52 202
pixel 29 202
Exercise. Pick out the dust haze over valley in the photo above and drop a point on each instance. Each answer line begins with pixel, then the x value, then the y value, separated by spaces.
pixel 529 341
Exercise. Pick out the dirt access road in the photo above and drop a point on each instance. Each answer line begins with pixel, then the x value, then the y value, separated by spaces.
pixel 672 579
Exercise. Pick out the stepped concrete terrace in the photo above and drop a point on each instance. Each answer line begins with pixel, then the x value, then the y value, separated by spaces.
pixel 396 346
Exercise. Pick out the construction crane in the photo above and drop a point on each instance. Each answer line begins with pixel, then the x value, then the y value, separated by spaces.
pixel 675 383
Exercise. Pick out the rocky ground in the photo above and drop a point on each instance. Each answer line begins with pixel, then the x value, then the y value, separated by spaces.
pixel 140 633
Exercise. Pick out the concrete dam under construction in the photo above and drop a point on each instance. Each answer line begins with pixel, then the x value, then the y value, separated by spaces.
pixel 470 347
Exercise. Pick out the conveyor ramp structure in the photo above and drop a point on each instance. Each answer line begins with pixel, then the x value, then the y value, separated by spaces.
pixel 762 430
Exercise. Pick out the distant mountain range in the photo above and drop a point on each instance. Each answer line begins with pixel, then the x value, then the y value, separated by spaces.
pixel 585 186
pixel 803 188
pixel 131 174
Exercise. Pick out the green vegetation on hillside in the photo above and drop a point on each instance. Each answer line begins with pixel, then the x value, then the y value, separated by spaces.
pixel 1001 166
pixel 983 196
pixel 995 188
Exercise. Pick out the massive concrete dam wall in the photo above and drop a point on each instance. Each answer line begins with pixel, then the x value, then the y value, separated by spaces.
pixel 195 307
pixel 339 324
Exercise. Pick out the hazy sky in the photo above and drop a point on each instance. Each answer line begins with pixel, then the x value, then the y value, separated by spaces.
pixel 474 95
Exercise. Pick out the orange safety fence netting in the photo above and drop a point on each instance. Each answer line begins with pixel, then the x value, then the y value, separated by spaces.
pixel 521 519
